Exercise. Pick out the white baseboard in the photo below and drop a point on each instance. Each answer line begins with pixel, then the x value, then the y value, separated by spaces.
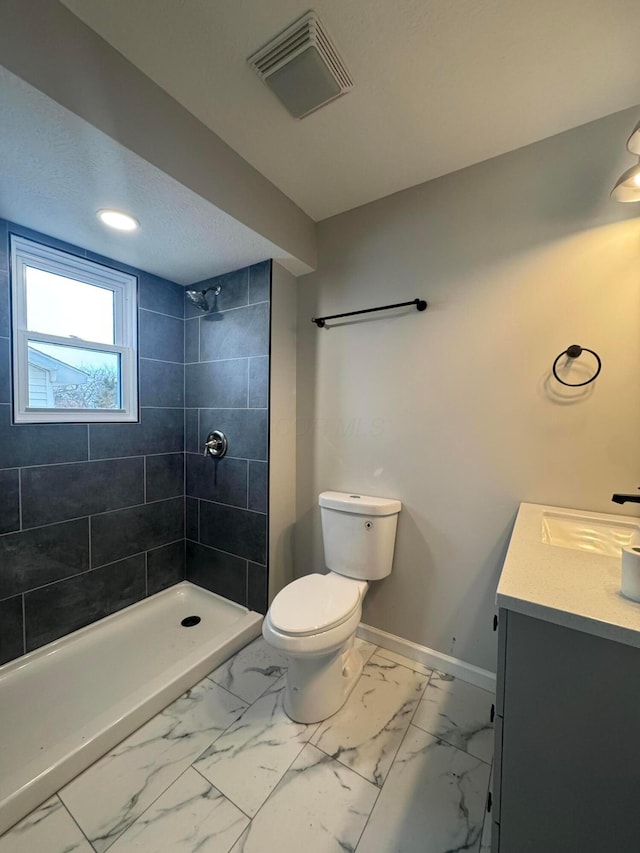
pixel 428 657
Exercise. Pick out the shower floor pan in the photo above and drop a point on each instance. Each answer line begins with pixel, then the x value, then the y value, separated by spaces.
pixel 68 703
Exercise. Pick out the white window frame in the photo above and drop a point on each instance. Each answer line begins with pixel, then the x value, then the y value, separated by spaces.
pixel 27 253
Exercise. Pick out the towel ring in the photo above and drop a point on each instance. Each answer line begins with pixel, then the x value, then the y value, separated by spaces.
pixel 574 351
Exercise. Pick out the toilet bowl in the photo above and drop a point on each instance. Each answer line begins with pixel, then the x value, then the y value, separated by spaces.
pixel 313 620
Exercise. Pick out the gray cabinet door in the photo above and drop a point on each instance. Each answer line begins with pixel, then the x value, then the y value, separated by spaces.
pixel 571 742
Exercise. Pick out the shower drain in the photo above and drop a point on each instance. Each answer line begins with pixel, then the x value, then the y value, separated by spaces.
pixel 190 621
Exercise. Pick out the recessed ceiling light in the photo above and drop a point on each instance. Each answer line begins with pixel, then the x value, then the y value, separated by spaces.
pixel 118 219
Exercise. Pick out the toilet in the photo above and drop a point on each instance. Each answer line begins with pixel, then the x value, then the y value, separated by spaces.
pixel 314 619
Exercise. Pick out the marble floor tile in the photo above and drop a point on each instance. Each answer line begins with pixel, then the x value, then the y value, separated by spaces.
pixel 108 797
pixel 191 815
pixel 251 671
pixel 251 757
pixel 433 800
pixel 319 806
pixel 404 661
pixel 48 829
pixel 459 713
pixel 365 648
pixel 366 732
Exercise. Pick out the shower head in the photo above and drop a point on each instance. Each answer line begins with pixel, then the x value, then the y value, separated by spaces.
pixel 199 297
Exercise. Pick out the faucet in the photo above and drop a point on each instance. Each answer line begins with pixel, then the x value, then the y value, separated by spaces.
pixel 623 499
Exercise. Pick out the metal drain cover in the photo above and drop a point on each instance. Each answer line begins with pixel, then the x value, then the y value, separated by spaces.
pixel 190 621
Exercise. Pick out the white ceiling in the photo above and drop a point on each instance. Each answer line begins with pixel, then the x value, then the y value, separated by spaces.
pixel 56 170
pixel 439 84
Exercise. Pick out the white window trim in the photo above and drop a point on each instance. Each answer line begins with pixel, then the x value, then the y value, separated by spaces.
pixel 124 287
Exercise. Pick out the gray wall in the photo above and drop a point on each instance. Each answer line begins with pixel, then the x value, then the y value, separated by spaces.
pixel 92 516
pixel 227 388
pixel 452 411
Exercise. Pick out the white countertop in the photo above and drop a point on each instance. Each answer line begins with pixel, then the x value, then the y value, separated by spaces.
pixel 566 586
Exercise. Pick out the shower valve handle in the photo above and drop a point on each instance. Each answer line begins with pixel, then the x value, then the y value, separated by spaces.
pixel 216 444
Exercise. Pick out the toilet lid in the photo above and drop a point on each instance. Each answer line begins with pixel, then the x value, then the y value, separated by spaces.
pixel 314 603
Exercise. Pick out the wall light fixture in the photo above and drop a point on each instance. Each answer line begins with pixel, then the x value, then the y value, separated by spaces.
pixel 627 186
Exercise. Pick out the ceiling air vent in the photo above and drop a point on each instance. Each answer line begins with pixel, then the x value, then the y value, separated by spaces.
pixel 302 67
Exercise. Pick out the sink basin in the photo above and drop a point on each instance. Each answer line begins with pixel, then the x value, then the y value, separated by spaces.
pixel 585 533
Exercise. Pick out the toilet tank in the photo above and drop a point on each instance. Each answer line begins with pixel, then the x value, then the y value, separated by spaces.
pixel 359 534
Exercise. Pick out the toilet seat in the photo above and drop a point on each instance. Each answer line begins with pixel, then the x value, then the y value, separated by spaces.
pixel 315 603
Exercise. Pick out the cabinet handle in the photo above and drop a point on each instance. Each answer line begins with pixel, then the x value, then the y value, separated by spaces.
pixel 489 801
pixel 495 622
pixel 492 716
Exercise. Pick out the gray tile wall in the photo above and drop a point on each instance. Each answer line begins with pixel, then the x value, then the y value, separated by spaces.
pixel 227 388
pixel 92 516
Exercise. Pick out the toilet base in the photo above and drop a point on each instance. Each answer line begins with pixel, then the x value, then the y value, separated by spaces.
pixel 319 685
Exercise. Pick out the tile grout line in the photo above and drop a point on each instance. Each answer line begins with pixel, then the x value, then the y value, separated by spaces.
pixel 347 766
pixel 86 461
pixel 448 743
pixel 90 569
pixel 103 512
pixel 267 688
pixel 227 408
pixel 235 695
pixel 375 803
pixel 225 310
pixel 249 818
pixel 428 678
pixel 161 360
pixel 155 800
pixel 65 807
pixel 382 786
pixel 24 626
pixel 213 548
pixel 215 360
pixel 20 499
pixel 161 313
pixel 439 737
pixel 232 506
pixel 280 780
pixel 225 730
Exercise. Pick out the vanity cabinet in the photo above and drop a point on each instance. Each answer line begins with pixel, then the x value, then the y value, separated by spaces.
pixel 567 752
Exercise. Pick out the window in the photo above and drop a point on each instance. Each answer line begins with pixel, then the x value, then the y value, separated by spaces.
pixel 74 338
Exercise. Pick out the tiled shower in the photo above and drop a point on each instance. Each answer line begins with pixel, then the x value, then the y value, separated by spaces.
pixel 92 516
pixel 227 389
